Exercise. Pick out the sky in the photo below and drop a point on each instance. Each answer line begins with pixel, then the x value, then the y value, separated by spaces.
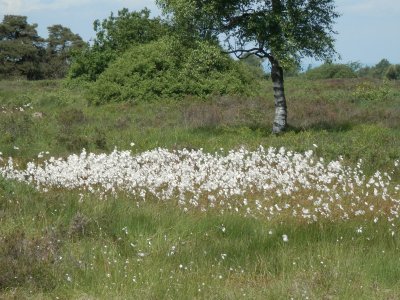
pixel 368 30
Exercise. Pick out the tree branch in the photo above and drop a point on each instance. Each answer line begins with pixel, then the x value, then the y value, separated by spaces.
pixel 255 51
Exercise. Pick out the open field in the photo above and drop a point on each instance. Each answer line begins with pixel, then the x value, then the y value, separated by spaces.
pixel 223 219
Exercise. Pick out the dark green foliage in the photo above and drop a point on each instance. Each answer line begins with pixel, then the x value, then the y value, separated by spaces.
pixel 287 30
pixel 24 54
pixel 114 36
pixel 62 43
pixel 20 48
pixel 393 72
pixel 330 71
pixel 127 28
pixel 378 71
pixel 168 69
pixel 90 63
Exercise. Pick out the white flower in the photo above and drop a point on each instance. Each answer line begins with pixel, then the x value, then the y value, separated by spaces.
pixel 223 228
pixel 221 181
pixel 285 238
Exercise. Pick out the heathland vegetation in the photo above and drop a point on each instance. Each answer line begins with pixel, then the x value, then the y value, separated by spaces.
pixel 152 172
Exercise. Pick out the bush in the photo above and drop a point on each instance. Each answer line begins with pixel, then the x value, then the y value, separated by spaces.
pixel 90 63
pixel 169 69
pixel 114 36
pixel 378 71
pixel 393 72
pixel 328 71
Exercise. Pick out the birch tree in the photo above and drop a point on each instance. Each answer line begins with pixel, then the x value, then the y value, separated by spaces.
pixel 281 31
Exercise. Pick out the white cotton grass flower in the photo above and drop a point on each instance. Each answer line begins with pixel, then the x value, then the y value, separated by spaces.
pixel 285 238
pixel 142 254
pixel 223 229
pixel 286 183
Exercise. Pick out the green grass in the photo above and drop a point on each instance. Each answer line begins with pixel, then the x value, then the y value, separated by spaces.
pixel 323 113
pixel 58 244
pixel 48 238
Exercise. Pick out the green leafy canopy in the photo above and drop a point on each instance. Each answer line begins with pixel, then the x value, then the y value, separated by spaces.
pixel 285 29
pixel 114 36
pixel 169 69
pixel 20 48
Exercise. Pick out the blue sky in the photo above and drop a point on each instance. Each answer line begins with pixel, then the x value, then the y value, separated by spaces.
pixel 368 30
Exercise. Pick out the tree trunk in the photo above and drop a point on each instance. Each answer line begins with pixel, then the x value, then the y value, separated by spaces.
pixel 280 121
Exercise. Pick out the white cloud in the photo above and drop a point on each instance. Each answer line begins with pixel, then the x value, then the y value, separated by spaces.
pixel 27 6
pixel 10 6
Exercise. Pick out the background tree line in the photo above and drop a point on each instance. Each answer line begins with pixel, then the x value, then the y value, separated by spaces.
pixel 24 54
pixel 382 70
pixel 188 52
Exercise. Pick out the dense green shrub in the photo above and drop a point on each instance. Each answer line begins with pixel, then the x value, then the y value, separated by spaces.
pixel 377 71
pixel 90 63
pixel 114 36
pixel 169 69
pixel 393 72
pixel 328 71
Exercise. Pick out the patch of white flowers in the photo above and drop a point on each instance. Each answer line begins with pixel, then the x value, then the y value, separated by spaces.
pixel 269 182
pixel 8 110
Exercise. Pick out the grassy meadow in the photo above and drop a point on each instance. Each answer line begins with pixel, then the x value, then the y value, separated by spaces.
pixel 69 243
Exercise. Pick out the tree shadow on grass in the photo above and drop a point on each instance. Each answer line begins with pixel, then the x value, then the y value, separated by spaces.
pixel 266 130
pixel 322 126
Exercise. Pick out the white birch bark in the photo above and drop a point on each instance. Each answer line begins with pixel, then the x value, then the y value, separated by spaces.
pixel 280 120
